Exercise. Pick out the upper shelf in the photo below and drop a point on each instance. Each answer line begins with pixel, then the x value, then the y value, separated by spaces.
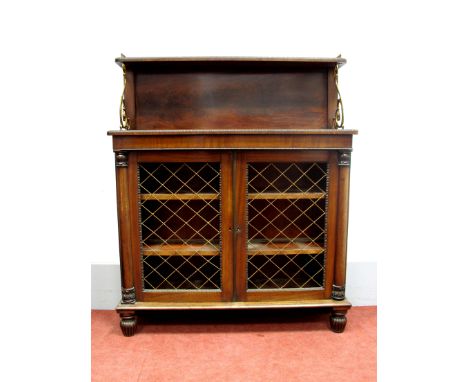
pixel 250 60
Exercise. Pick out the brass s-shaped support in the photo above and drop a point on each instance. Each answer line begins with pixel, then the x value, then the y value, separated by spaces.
pixel 124 125
pixel 338 121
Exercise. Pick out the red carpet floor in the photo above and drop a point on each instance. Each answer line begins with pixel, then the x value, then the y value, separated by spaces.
pixel 250 346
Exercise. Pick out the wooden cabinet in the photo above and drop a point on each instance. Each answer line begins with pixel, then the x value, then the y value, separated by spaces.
pixel 232 185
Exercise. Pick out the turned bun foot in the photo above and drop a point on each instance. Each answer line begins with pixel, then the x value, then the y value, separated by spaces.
pixel 338 321
pixel 128 324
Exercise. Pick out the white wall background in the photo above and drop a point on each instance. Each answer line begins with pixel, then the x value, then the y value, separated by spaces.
pixel 404 88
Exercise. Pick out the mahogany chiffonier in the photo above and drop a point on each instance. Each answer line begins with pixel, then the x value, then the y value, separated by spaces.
pixel 232 185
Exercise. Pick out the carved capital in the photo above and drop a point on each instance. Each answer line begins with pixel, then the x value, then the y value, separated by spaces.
pixel 338 292
pixel 128 296
pixel 344 158
pixel 121 159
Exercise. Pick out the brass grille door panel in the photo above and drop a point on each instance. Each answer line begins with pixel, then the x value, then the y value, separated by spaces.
pixel 179 212
pixel 287 225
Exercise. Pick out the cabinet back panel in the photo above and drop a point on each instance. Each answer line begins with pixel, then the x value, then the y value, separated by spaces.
pixel 280 272
pixel 223 100
pixel 287 220
pixel 174 221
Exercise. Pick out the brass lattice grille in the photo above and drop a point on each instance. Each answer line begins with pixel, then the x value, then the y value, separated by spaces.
pixel 180 225
pixel 286 225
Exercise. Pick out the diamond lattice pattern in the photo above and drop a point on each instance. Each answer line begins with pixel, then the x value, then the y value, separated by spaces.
pixel 180 225
pixel 287 225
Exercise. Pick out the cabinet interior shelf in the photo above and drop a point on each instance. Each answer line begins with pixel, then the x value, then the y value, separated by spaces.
pixel 179 196
pixel 181 250
pixel 252 196
pixel 253 248
pixel 287 195
pixel 291 248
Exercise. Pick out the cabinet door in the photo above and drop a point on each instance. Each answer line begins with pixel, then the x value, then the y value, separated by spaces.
pixel 182 200
pixel 286 225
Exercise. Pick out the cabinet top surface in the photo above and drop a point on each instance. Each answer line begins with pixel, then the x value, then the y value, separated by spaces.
pixel 321 61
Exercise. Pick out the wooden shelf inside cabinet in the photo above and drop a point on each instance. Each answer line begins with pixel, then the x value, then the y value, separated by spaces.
pixel 179 196
pixel 213 250
pixel 287 195
pixel 290 248
pixel 181 250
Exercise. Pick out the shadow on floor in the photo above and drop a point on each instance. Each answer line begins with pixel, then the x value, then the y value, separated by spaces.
pixel 234 320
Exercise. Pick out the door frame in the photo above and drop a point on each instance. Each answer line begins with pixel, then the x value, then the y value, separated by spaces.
pixel 241 292
pixel 225 293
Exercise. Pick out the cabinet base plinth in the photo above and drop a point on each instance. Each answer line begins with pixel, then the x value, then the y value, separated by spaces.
pixel 153 305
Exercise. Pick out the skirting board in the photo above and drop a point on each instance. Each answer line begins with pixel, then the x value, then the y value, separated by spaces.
pixel 361 285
